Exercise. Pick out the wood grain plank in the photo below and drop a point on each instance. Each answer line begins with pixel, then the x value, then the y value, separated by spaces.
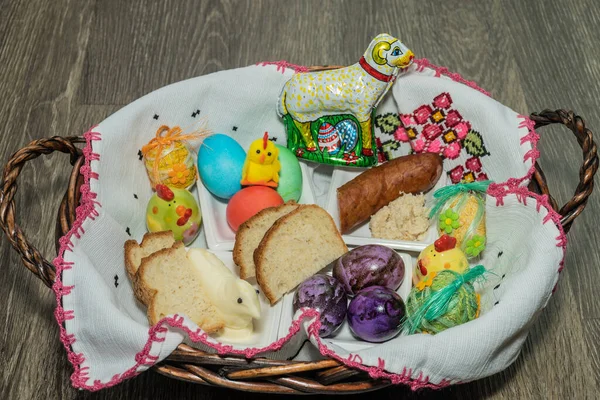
pixel 564 73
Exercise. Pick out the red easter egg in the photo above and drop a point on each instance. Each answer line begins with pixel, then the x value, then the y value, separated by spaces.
pixel 249 201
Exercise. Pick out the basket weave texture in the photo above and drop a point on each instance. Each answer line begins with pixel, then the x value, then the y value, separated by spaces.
pixel 256 375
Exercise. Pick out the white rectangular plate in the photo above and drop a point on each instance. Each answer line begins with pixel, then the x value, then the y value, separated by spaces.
pixel 361 235
pixel 219 236
pixel 343 337
pixel 265 329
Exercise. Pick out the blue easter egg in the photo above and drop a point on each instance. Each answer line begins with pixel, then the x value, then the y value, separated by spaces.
pixel 348 134
pixel 220 163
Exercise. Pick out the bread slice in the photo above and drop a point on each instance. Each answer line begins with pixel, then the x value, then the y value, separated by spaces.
pixel 250 234
pixel 297 246
pixel 168 283
pixel 152 242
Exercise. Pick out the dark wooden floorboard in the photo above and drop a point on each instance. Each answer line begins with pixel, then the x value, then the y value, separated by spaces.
pixel 68 64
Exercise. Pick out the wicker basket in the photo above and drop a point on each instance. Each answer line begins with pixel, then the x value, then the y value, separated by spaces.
pixel 256 375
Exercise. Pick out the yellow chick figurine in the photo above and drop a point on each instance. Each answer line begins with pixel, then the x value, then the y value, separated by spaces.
pixel 442 255
pixel 261 166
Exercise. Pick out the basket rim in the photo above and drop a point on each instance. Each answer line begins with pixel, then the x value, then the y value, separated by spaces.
pixel 330 374
pixel 193 365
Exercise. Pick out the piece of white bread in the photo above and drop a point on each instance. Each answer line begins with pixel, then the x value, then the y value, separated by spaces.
pixel 297 246
pixel 151 242
pixel 250 234
pixel 168 283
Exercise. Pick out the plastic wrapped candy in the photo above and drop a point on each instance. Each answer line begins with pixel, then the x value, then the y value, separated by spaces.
pixel 460 211
pixel 327 114
pixel 444 300
pixel 168 160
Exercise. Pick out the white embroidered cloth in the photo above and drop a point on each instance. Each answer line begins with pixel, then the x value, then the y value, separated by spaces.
pixel 105 331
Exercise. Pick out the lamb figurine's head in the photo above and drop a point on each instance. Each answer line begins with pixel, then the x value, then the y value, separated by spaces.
pixel 385 53
pixel 247 303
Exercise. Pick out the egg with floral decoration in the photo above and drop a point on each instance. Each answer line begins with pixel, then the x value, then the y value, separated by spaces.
pixel 176 210
pixel 442 255
pixel 460 211
pixel 465 216
pixel 168 160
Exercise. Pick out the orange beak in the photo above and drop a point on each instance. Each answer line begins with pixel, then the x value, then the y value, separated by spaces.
pixel 262 158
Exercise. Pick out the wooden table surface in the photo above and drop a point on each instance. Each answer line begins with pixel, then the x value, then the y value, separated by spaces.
pixel 67 64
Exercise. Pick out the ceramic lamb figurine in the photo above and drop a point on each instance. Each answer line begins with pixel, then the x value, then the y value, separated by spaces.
pixel 324 110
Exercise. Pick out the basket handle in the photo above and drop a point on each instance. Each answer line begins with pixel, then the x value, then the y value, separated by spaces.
pixel 31 257
pixel 575 123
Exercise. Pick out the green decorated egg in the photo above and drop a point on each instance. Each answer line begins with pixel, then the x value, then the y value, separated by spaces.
pixel 175 210
pixel 290 175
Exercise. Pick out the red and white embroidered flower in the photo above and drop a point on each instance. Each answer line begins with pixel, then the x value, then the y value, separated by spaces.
pixel 299 152
pixel 435 147
pixel 422 114
pixel 452 150
pixel 431 131
pixel 482 177
pixel 474 164
pixel 442 100
pixel 407 119
pixel 453 118
pixel 461 129
pixel 400 134
pixel 418 145
pixel 456 173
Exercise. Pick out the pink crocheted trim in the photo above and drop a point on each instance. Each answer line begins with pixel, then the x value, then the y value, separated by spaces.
pixel 86 209
pixel 353 360
pixel 157 333
pixel 500 191
pixel 282 65
pixel 423 63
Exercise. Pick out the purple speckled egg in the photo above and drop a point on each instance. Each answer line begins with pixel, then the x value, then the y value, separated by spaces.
pixel 370 265
pixel 325 294
pixel 376 313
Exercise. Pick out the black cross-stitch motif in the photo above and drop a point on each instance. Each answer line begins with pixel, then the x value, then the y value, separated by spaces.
pixel 135 195
pixel 234 128
pixel 155 116
pixel 127 230
pixel 116 280
pixel 140 155
pixel 196 113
